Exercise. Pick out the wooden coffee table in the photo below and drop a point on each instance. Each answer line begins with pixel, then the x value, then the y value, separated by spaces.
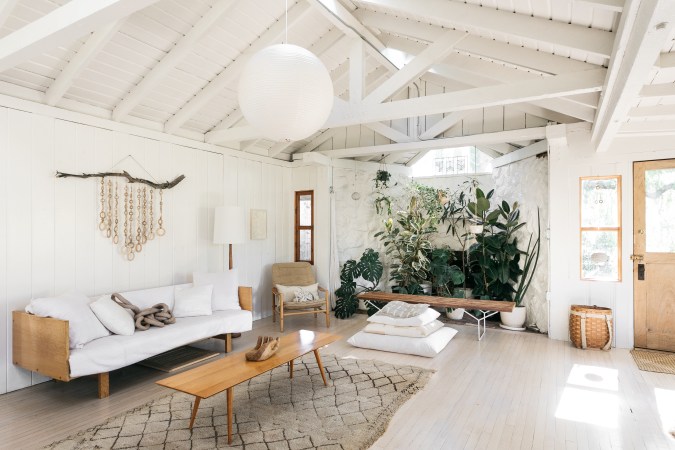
pixel 222 375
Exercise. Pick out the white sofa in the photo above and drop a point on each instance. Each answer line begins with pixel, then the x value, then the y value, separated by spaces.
pixel 41 344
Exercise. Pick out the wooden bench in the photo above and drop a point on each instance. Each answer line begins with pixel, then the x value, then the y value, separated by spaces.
pixel 488 307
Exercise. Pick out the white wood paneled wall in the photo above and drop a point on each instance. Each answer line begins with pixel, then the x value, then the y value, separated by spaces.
pixel 49 240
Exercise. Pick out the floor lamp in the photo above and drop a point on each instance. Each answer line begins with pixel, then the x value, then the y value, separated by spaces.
pixel 229 228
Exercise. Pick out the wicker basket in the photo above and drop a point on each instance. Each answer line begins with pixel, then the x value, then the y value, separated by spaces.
pixel 591 326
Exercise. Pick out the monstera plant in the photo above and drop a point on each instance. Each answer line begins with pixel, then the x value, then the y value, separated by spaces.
pixel 355 277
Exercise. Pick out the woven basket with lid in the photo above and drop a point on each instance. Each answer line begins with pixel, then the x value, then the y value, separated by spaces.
pixel 591 326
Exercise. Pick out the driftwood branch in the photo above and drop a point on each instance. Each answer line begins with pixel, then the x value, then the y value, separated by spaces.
pixel 124 174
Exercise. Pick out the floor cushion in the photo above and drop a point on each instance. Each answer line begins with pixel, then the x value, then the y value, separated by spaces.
pixel 429 346
pixel 392 330
pixel 426 317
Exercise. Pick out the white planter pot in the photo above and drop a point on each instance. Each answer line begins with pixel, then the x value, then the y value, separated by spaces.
pixel 514 320
pixel 455 314
pixel 426 288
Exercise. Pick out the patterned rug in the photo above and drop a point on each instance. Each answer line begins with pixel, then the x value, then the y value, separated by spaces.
pixel 271 411
pixel 654 361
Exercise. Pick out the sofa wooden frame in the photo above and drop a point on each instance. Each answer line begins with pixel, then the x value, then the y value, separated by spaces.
pixel 42 345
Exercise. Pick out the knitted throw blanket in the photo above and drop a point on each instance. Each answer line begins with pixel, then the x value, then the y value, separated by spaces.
pixel 156 316
pixel 401 310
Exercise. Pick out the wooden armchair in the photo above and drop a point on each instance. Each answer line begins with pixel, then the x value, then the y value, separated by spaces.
pixel 296 274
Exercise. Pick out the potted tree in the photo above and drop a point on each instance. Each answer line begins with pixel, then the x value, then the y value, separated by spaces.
pixel 515 320
pixel 445 276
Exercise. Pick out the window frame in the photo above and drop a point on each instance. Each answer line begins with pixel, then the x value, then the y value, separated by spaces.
pixel 618 229
pixel 299 227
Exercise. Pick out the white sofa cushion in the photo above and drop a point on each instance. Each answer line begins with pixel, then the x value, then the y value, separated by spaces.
pixel 392 330
pixel 426 317
pixel 225 288
pixel 146 298
pixel 193 301
pixel 114 352
pixel 113 316
pixel 429 346
pixel 83 326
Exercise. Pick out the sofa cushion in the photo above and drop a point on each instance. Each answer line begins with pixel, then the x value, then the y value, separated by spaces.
pixel 114 352
pixel 146 298
pixel 193 301
pixel 113 316
pixel 83 326
pixel 225 288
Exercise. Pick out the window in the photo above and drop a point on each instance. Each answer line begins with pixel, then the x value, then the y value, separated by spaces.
pixel 453 161
pixel 304 226
pixel 600 202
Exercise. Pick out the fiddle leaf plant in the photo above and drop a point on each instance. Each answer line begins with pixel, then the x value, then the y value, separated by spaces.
pixel 368 270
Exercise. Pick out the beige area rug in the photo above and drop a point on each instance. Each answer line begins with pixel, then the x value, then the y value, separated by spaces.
pixel 654 361
pixel 178 358
pixel 271 411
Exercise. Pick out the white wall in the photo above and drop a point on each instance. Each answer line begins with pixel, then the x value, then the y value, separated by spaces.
pixel 568 162
pixel 49 240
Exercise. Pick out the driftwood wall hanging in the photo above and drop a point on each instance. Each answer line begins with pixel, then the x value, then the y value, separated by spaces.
pixel 127 207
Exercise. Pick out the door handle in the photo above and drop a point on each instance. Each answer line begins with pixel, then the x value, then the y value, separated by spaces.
pixel 637 257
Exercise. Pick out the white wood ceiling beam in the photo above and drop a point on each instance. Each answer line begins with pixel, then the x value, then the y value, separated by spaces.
pixel 357 71
pixel 453 142
pixel 545 113
pixel 442 47
pixel 488 151
pixel 412 161
pixel 79 62
pixel 62 26
pixel 522 153
pixel 648 128
pixel 505 94
pixel 658 90
pixel 658 112
pixel 443 125
pixel 645 27
pixel 318 140
pixel 515 55
pixel 666 61
pixel 609 5
pixel 177 53
pixel 278 148
pixel 232 71
pixel 469 16
pixel 389 132
pixel 6 10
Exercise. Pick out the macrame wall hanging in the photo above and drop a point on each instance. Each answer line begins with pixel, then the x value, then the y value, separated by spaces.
pixel 127 208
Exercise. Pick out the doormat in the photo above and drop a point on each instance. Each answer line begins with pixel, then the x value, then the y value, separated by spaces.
pixel 178 358
pixel 271 411
pixel 654 361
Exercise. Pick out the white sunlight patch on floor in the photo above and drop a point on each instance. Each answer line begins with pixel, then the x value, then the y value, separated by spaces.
pixel 590 396
pixel 665 401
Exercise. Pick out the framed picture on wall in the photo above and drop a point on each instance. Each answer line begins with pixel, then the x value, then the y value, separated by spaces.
pixel 258 224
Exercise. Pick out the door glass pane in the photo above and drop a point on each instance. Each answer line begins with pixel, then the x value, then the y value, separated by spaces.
pixel 305 205
pixel 599 202
pixel 305 245
pixel 600 255
pixel 660 210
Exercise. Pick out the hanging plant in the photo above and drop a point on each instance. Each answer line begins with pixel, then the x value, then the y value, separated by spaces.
pixel 382 179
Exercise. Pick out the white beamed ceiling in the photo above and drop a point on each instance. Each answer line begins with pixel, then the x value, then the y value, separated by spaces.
pixel 146 37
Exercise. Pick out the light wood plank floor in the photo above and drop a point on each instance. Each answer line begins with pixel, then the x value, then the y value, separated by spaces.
pixel 510 391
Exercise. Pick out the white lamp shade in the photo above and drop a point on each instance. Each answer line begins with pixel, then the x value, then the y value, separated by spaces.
pixel 229 225
pixel 285 92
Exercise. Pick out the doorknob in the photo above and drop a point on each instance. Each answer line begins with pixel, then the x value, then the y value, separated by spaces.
pixel 637 257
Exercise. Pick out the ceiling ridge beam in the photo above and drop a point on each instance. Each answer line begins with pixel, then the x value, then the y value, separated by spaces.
pixel 229 74
pixel 79 62
pixel 451 142
pixel 172 58
pixel 641 36
pixel 62 26
pixel 505 94
pixel 441 48
pixel 466 15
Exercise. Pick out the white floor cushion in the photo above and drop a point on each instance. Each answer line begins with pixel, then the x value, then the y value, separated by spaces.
pixel 113 352
pixel 426 317
pixel 429 346
pixel 392 330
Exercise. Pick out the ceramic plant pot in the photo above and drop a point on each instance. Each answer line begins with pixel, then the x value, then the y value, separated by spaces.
pixel 514 320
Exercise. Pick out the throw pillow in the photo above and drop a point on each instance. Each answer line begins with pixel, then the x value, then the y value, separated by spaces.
pixel 115 318
pixel 83 326
pixel 426 317
pixel 225 288
pixel 299 293
pixel 193 301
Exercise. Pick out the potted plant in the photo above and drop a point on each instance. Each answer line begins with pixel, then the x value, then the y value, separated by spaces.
pixel 515 320
pixel 369 270
pixel 445 276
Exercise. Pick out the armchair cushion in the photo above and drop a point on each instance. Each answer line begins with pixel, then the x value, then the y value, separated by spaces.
pixel 299 294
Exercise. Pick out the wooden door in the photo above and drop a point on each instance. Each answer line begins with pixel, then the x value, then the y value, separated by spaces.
pixel 654 254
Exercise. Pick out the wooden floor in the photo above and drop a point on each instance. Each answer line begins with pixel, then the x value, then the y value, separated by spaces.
pixel 512 390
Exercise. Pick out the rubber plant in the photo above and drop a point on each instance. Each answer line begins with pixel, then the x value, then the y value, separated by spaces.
pixel 531 256
pixel 367 269
pixel 444 275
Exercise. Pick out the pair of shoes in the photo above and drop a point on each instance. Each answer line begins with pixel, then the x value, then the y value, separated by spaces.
pixel 266 347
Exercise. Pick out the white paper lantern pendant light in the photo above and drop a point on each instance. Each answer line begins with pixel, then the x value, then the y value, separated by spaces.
pixel 285 92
